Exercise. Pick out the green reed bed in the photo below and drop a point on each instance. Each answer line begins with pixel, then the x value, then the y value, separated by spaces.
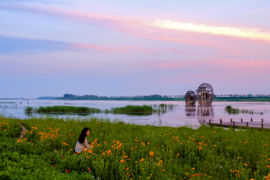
pixel 62 110
pixel 133 110
pixel 143 110
pixel 124 151
pixel 232 110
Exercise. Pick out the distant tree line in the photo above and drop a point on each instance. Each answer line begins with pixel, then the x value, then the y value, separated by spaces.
pixel 95 97
pixel 156 97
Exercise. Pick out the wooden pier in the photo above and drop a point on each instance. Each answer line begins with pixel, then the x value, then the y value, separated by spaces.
pixel 240 124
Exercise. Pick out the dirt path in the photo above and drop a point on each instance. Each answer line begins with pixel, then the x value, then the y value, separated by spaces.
pixel 23 130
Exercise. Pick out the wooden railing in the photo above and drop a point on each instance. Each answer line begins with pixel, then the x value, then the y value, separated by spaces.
pixel 241 123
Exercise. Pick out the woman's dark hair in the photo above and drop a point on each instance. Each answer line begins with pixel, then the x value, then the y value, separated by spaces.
pixel 83 135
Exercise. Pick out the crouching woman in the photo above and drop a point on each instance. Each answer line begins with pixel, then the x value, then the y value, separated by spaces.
pixel 82 142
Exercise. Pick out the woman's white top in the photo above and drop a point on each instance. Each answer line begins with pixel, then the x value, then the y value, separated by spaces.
pixel 79 146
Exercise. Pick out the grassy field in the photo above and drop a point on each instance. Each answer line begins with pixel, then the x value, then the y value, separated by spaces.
pixel 122 151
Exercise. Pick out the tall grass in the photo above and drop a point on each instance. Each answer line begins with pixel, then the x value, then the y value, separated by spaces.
pixel 231 110
pixel 124 151
pixel 133 110
pixel 63 110
pixel 144 110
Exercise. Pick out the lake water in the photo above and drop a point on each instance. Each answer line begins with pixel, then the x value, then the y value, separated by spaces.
pixel 179 116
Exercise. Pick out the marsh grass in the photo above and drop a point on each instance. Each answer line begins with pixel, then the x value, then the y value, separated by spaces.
pixel 63 110
pixel 231 110
pixel 143 110
pixel 124 151
pixel 163 108
pixel 133 110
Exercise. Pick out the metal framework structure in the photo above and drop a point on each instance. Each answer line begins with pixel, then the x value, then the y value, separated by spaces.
pixel 190 98
pixel 205 94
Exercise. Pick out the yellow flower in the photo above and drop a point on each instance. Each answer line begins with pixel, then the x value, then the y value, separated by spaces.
pixel 151 153
pixel 245 164
pixel 193 168
pixel 87 157
pixel 65 143
pixel 90 151
pixel 160 162
pixel 142 160
pixel 122 161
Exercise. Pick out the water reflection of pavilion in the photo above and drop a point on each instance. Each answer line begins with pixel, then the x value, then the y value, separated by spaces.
pixel 190 111
pixel 204 113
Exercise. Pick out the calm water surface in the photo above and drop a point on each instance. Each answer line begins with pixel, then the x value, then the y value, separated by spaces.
pixel 180 116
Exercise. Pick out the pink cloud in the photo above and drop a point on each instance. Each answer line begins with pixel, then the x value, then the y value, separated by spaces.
pixel 219 46
pixel 234 66
pixel 244 66
pixel 219 71
pixel 147 28
pixel 116 48
pixel 130 49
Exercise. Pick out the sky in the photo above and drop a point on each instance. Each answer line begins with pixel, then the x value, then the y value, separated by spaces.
pixel 126 48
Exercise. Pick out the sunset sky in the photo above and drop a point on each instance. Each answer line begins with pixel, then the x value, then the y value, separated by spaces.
pixel 142 47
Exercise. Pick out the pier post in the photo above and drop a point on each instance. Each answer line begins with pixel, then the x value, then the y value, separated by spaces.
pixel 220 121
pixel 251 120
pixel 231 120
pixel 233 124
pixel 262 125
pixel 262 120
pixel 247 124
pixel 241 120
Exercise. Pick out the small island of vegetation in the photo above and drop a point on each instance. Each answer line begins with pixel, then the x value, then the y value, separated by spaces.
pixel 133 110
pixel 231 110
pixel 128 110
pixel 62 110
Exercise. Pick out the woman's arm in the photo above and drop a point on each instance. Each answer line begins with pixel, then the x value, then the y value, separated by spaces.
pixel 86 143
